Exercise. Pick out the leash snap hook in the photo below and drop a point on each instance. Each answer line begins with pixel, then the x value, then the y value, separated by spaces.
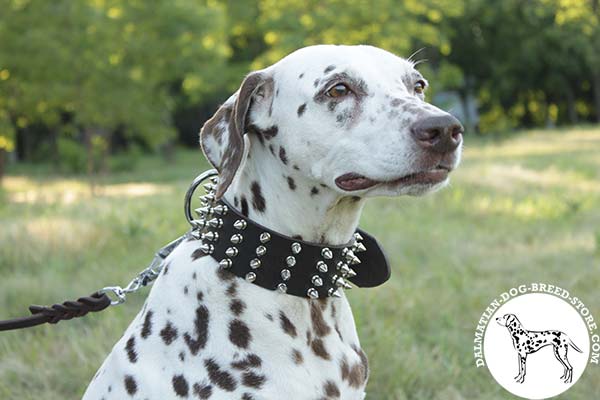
pixel 117 291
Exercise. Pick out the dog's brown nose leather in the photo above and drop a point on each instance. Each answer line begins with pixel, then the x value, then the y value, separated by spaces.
pixel 441 134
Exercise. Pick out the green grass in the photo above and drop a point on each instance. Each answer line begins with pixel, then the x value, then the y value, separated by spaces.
pixel 519 210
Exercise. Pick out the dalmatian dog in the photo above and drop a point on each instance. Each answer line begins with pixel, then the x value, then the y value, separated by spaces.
pixel 528 342
pixel 299 148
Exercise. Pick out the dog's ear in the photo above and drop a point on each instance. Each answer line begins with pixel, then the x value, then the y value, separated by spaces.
pixel 222 136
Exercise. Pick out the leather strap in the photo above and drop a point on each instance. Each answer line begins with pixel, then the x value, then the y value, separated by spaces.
pixel 292 266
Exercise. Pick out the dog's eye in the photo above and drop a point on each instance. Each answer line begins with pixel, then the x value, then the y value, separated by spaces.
pixel 420 87
pixel 339 90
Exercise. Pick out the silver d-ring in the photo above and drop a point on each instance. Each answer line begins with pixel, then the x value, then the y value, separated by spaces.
pixel 190 192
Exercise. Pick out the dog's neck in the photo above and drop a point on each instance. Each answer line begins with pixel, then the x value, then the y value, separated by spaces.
pixel 281 198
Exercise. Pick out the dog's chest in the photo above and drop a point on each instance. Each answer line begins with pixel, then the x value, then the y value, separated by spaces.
pixel 204 333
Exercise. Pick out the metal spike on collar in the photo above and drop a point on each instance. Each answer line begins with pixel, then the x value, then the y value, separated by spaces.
pixel 348 254
pixel 240 224
pixel 231 252
pixel 196 234
pixel 212 236
pixel 250 276
pixel 355 260
pixel 340 282
pixel 290 261
pixel 334 292
pixel 261 251
pixel 358 236
pixel 264 237
pixel 214 179
pixel 347 272
pixel 316 280
pixel 209 187
pixel 207 248
pixel 326 253
pixel 215 223
pixel 359 247
pixel 207 198
pixel 296 248
pixel 220 209
pixel 236 239
pixel 312 293
pixel 225 263
pixel 255 263
pixel 286 274
pixel 203 211
pixel 282 288
pixel 198 223
pixel 321 266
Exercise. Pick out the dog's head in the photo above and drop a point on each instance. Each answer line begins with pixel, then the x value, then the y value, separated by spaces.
pixel 508 320
pixel 352 118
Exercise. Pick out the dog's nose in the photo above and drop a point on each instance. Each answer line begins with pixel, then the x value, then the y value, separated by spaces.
pixel 441 134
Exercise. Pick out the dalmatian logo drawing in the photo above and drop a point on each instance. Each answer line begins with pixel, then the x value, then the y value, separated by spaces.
pixel 528 342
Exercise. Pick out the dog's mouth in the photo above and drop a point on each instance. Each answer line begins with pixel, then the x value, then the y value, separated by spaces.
pixel 352 181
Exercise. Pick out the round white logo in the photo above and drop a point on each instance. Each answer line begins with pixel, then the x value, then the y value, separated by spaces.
pixel 536 345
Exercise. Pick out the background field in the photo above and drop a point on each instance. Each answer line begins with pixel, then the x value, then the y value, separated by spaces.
pixel 521 209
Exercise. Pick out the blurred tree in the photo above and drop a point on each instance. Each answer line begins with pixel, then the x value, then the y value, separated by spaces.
pixel 529 61
pixel 86 69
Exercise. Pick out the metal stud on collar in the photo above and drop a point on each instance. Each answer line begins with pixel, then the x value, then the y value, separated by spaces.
pixel 290 261
pixel 231 251
pixel 282 287
pixel 317 280
pixel 322 267
pixel 240 224
pixel 326 253
pixel 236 239
pixel 296 248
pixel 210 236
pixel 312 293
pixel 264 237
pixel 250 276
pixel 261 251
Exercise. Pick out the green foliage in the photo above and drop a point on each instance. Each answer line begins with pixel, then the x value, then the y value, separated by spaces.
pixel 71 154
pixel 107 64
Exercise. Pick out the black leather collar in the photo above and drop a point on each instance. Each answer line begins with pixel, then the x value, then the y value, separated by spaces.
pixel 278 262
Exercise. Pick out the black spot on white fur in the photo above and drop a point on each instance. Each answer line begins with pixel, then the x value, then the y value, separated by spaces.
pixel 218 377
pixel 201 330
pixel 239 333
pixel 147 327
pixel 180 386
pixel 291 183
pixel 202 391
pixel 130 385
pixel 301 109
pixel 130 348
pixel 283 155
pixel 169 333
pixel 244 206
pixel 258 200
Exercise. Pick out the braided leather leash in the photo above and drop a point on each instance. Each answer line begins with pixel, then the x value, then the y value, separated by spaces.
pixel 53 314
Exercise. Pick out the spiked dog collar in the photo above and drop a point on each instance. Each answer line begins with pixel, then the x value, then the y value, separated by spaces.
pixel 278 262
